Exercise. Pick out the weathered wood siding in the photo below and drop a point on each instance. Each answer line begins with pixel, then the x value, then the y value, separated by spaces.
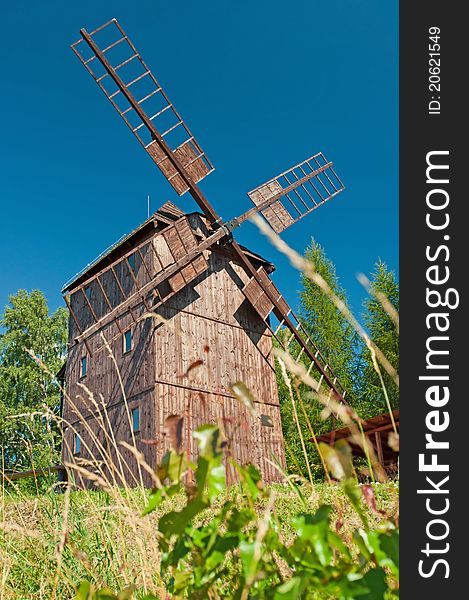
pixel 211 321
pixel 208 337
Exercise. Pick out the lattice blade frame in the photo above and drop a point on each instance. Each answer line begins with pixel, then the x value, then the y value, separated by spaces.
pixel 295 193
pixel 137 96
pixel 152 279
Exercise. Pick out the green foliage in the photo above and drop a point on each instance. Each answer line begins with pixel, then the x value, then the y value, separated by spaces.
pixel 347 354
pixel 330 330
pixel 27 384
pixel 384 334
pixel 342 349
pixel 217 545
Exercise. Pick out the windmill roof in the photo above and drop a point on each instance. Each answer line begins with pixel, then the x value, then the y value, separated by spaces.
pixel 166 214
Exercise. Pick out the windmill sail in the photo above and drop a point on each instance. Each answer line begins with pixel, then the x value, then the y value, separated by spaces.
pixel 295 193
pixel 266 299
pixel 119 70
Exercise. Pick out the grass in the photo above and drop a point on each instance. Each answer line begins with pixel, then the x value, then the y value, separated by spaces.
pixel 49 544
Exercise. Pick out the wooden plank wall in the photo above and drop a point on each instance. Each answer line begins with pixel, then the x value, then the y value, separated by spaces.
pixel 101 435
pixel 211 337
pixel 211 325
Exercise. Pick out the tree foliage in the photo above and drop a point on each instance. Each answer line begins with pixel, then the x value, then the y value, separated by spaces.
pixel 27 387
pixel 331 331
pixel 345 352
pixel 384 333
pixel 341 348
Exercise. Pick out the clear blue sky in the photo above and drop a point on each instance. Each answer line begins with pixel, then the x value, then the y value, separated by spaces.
pixel 263 85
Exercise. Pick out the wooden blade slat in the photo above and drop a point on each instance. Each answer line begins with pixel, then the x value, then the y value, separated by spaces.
pixel 178 155
pixel 274 201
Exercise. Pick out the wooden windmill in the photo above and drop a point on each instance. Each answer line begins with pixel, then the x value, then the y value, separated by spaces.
pixel 214 301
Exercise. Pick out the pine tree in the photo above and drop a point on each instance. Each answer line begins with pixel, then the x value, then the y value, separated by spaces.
pixel 385 335
pixel 25 386
pixel 330 330
pixel 342 349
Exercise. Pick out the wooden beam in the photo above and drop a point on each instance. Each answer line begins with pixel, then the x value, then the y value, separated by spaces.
pixel 163 275
pixel 15 475
pixel 194 190
pixel 251 270
pixel 69 305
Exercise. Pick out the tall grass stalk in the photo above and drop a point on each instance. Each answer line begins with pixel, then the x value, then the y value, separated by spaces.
pixel 51 542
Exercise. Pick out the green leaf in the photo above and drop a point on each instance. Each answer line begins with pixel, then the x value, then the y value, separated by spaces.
pixel 353 492
pixel 251 477
pixel 215 559
pixel 210 477
pixel 246 550
pixel 290 590
pixel 84 590
pixel 107 594
pixel 390 546
pixel 154 500
pixel 176 521
pixel 337 542
pixel 338 459
pixel 375 581
pixel 208 441
pixel 216 480
pixel 173 466
pixel 158 495
pixel 385 547
pixel 125 594
pixel 178 552
pixel 239 518
pixel 313 531
pixel 182 579
pixel 344 451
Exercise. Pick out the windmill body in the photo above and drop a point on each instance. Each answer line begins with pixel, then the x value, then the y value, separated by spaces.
pixel 168 319
pixel 178 359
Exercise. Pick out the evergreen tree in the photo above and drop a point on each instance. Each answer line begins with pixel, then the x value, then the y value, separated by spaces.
pixel 328 328
pixel 341 348
pixel 27 387
pixel 385 335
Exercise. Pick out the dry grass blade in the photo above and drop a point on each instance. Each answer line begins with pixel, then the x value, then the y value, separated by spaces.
pixel 382 299
pixel 287 381
pixel 344 413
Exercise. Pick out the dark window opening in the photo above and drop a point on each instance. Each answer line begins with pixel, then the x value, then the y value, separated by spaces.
pixel 135 420
pixel 77 445
pixel 127 341
pixel 266 421
pixel 83 366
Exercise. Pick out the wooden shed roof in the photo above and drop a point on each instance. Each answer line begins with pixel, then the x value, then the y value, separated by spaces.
pixel 381 426
pixel 379 423
pixel 167 213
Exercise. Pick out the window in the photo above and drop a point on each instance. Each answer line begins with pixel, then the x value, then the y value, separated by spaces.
pixel 83 366
pixel 131 260
pixel 135 420
pixel 266 421
pixel 88 291
pixel 77 445
pixel 127 339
